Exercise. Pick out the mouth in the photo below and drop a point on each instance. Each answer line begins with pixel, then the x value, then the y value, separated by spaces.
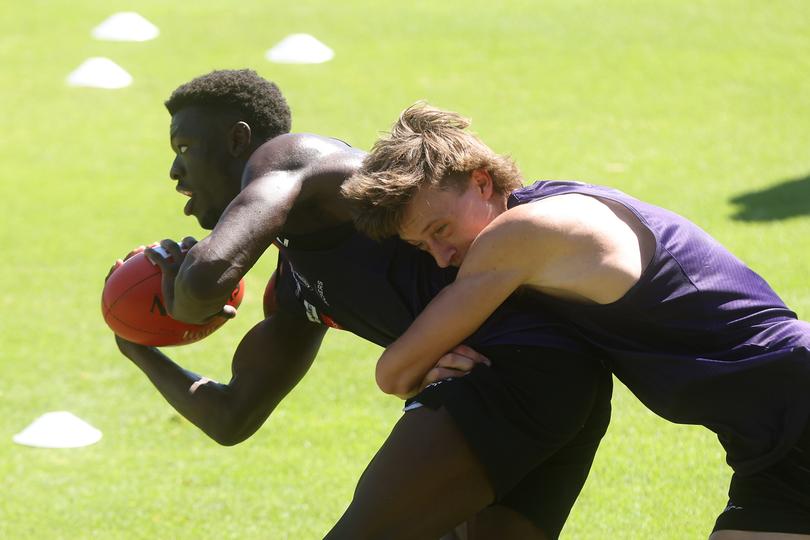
pixel 189 207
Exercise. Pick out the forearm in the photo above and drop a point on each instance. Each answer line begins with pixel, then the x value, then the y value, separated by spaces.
pixel 213 267
pixel 269 361
pixel 207 407
pixel 456 312
pixel 205 283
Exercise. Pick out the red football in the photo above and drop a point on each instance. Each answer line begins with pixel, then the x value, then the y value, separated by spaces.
pixel 132 304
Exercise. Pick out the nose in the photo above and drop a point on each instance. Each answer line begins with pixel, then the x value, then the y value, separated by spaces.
pixel 442 252
pixel 176 170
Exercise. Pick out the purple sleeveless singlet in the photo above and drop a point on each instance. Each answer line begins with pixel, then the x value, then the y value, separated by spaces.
pixel 343 279
pixel 701 338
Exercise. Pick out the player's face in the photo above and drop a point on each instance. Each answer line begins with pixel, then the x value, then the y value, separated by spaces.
pixel 445 222
pixel 204 169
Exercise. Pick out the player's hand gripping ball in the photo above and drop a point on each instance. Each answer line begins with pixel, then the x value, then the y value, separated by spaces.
pixel 133 307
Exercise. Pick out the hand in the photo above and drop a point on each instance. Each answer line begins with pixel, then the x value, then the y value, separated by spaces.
pixel 170 266
pixel 456 363
pixel 123 344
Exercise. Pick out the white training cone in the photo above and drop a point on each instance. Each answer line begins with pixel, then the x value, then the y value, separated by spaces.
pixel 99 72
pixel 300 49
pixel 59 429
pixel 126 26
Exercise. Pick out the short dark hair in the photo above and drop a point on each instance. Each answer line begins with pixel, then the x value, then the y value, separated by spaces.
pixel 258 100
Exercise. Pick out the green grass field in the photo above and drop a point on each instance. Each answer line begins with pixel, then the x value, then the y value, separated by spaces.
pixel 701 106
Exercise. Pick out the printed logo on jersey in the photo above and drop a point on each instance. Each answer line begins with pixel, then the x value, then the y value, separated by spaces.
pixel 322 318
pixel 321 293
pixel 312 313
pixel 302 281
pixel 297 283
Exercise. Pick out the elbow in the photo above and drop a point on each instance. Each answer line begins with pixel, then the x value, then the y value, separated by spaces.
pixel 227 429
pixel 393 383
pixel 229 439
pixel 388 387
pixel 229 434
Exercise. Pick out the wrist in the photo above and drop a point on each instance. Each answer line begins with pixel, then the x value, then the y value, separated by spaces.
pixel 128 348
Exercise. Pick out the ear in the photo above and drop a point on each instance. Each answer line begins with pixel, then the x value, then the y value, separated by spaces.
pixel 239 139
pixel 482 180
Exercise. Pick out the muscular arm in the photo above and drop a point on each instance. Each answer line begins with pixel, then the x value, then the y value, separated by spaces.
pixel 573 247
pixel 271 359
pixel 455 313
pixel 290 185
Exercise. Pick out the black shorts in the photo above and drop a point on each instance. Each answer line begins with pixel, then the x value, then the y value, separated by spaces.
pixel 776 499
pixel 534 419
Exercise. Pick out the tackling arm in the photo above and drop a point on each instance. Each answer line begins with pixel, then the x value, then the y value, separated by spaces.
pixel 485 280
pixel 270 360
pixel 570 246
pixel 455 313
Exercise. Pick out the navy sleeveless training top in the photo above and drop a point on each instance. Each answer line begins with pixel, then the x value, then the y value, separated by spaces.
pixel 701 338
pixel 345 280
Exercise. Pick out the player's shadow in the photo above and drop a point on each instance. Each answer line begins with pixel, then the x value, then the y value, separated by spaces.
pixel 784 200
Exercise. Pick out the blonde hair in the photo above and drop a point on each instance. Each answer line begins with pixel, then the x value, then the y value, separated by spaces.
pixel 426 148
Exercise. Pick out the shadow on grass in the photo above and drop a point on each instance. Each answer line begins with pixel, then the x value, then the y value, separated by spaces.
pixel 784 200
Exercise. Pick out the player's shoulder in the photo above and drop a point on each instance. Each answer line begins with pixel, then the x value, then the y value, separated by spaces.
pixel 297 150
pixel 534 216
pixel 554 213
pixel 300 159
pixel 549 222
pixel 554 205
pixel 502 238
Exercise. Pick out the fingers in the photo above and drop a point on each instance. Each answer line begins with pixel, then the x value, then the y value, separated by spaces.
pixel 158 259
pixel 454 364
pixel 457 363
pixel 187 243
pixel 469 352
pixel 120 262
pixel 167 255
pixel 173 249
pixel 461 362
pixel 137 250
pixel 116 265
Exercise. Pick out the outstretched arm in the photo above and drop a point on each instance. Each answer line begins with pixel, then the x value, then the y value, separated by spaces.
pixel 268 363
